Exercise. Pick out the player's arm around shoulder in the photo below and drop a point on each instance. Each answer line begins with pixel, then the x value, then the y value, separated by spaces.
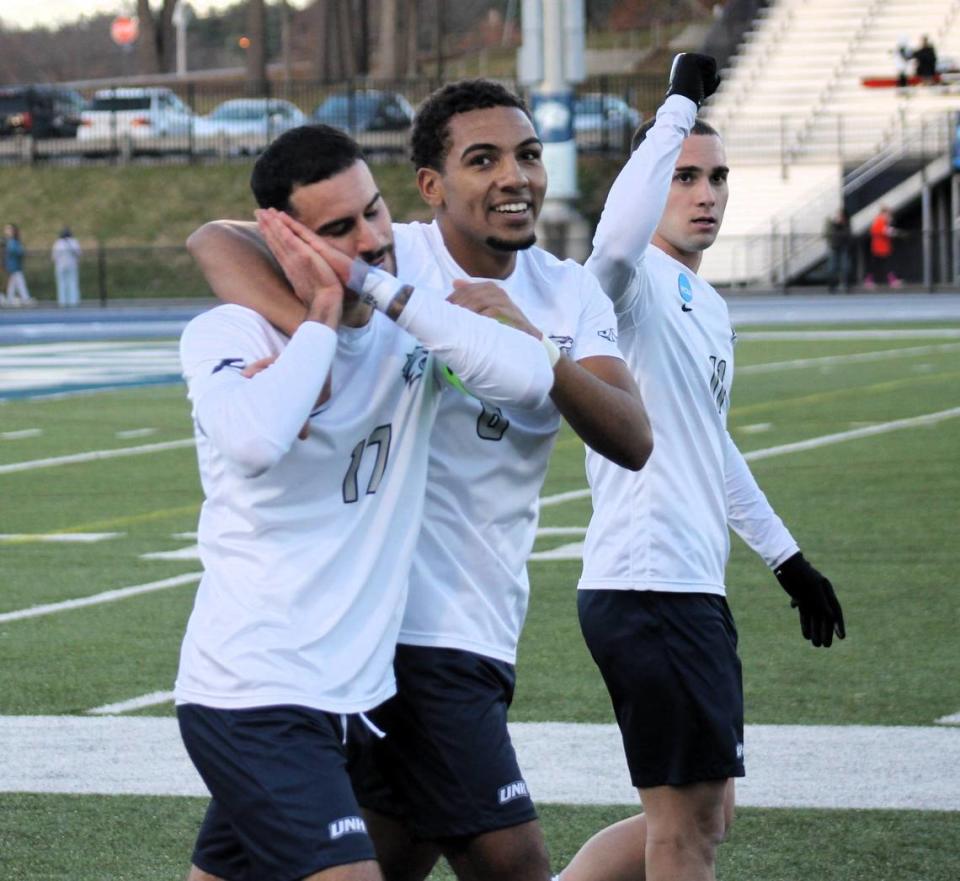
pixel 504 362
pixel 240 268
pixel 593 389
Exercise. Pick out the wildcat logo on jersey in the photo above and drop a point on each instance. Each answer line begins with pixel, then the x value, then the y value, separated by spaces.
pixel 609 333
pixel 686 292
pixel 517 789
pixel 347 826
pixel 563 343
pixel 415 364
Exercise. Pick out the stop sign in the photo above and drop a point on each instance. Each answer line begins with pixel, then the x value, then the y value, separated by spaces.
pixel 124 30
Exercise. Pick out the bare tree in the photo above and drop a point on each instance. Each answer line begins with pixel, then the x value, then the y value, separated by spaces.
pixel 386 62
pixel 257 49
pixel 409 27
pixel 156 45
pixel 339 56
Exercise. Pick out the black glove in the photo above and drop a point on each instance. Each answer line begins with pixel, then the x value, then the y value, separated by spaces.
pixel 693 76
pixel 811 593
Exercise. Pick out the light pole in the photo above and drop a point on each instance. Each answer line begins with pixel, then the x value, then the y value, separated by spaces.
pixel 181 17
pixel 551 60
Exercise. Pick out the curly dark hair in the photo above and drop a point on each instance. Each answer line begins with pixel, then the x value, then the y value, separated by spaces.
pixel 300 156
pixel 430 141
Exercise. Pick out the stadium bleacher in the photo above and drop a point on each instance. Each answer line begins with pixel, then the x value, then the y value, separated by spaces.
pixel 796 118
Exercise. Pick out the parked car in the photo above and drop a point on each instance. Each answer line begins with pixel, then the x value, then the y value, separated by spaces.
pixel 134 112
pixel 247 125
pixel 40 111
pixel 365 110
pixel 604 116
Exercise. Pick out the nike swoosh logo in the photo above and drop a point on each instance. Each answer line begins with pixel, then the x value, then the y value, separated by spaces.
pixel 685 308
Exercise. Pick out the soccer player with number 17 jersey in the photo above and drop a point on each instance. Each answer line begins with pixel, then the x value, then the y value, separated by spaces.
pixel 313 459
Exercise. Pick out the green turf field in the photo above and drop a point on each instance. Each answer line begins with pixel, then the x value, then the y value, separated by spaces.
pixel 878 513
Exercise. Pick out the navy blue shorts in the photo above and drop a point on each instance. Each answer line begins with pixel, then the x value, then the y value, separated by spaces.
pixel 447 768
pixel 670 664
pixel 283 807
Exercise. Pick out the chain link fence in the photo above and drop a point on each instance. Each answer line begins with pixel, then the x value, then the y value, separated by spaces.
pixel 120 273
pixel 203 122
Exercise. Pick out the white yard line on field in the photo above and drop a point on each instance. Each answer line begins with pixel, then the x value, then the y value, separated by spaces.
pixel 108 596
pixel 853 434
pixel 798 446
pixel 560 498
pixel 136 432
pixel 858 357
pixel 812 766
pixel 191 552
pixel 953 719
pixel 96 455
pixel 21 434
pixel 920 333
pixel 137 703
pixel 572 551
pixel 565 552
pixel 45 537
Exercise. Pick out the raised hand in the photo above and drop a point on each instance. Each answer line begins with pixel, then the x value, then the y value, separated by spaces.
pixel 694 76
pixel 306 266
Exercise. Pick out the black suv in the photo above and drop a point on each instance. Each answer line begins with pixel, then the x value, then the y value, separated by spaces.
pixel 41 111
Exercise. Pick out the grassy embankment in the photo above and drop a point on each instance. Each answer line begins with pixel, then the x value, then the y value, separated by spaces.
pixel 142 214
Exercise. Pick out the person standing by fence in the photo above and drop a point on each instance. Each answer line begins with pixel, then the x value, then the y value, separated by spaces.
pixel 65 254
pixel 17 291
pixel 836 231
pixel 882 232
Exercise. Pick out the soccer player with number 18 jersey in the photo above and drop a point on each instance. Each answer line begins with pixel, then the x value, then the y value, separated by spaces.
pixel 652 594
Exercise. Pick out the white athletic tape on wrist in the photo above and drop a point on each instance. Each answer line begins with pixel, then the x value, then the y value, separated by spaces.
pixel 553 353
pixel 374 286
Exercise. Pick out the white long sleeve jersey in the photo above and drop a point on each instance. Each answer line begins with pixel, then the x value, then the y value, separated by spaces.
pixel 306 544
pixel 468 585
pixel 665 527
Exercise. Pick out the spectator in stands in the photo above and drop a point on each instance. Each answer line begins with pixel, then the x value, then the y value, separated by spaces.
pixel 836 231
pixel 901 61
pixel 66 264
pixel 17 291
pixel 882 233
pixel 925 61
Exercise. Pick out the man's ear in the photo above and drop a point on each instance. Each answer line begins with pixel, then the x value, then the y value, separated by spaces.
pixel 430 184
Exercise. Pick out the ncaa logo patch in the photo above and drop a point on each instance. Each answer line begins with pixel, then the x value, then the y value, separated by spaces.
pixel 686 292
pixel 512 791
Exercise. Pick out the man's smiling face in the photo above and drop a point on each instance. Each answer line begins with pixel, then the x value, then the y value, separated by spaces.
pixel 488 195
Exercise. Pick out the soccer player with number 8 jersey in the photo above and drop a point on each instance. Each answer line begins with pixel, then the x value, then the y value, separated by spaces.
pixel 446 779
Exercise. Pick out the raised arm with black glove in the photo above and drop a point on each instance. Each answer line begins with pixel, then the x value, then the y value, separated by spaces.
pixel 694 76
pixel 812 593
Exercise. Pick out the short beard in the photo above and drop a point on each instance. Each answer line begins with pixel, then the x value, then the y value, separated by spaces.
pixel 503 245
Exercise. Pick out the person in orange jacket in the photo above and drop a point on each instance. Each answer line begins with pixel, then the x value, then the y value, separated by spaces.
pixel 882 233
